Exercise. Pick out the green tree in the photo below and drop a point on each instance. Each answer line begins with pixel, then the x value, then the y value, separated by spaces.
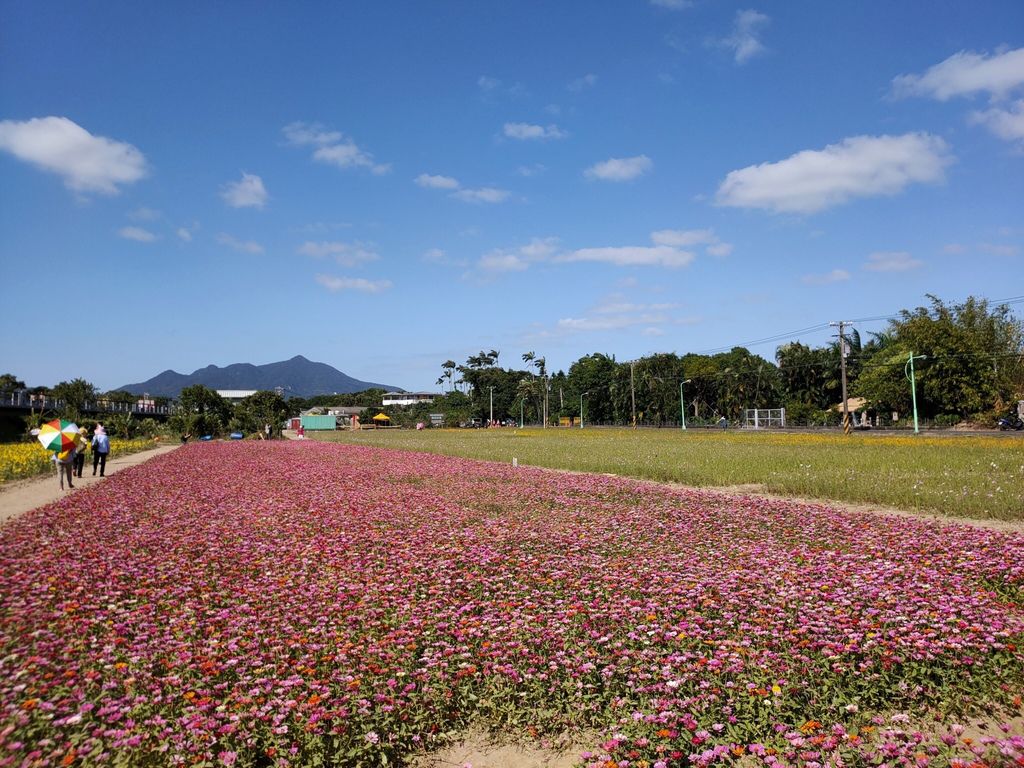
pixel 9 382
pixel 593 374
pixel 200 411
pixel 973 362
pixel 262 408
pixel 75 394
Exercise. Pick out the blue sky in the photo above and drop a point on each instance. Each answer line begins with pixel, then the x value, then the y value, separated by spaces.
pixel 384 186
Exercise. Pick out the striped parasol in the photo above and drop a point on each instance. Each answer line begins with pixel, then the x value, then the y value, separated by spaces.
pixel 58 435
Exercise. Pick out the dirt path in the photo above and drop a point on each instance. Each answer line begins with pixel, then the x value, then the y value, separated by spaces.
pixel 22 495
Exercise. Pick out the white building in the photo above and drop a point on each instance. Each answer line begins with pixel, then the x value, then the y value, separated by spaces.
pixel 235 396
pixel 408 398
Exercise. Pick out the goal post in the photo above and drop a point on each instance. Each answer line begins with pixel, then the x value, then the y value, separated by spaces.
pixel 764 418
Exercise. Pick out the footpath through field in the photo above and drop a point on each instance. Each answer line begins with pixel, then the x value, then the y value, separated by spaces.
pixel 20 496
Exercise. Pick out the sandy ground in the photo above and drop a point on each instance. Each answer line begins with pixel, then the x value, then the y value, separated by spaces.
pixel 22 495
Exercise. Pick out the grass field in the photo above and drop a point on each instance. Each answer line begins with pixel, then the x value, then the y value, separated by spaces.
pixel 963 476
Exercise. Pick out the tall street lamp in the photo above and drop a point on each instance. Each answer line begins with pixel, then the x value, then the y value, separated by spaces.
pixel 492 407
pixel 682 405
pixel 521 404
pixel 582 395
pixel 913 385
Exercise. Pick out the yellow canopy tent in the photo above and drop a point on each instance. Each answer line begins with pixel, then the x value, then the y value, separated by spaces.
pixel 382 417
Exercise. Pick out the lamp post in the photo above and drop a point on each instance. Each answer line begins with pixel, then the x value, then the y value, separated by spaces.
pixel 682 406
pixel 521 404
pixel 491 423
pixel 582 395
pixel 913 385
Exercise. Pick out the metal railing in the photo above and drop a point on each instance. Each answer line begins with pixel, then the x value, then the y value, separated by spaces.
pixel 28 401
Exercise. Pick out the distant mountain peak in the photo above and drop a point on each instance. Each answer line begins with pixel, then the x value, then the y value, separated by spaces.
pixel 298 377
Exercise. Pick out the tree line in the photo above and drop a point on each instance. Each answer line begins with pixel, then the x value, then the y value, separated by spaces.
pixel 972 368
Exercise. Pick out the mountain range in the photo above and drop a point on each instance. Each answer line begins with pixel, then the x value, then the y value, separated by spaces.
pixel 298 377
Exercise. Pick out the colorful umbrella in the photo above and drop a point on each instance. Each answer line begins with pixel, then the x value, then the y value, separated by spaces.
pixel 58 435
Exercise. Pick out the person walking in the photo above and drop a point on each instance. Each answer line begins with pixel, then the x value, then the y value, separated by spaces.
pixel 100 449
pixel 65 465
pixel 81 446
pixel 267 432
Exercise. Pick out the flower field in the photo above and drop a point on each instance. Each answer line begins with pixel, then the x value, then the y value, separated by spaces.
pixel 20 460
pixel 304 603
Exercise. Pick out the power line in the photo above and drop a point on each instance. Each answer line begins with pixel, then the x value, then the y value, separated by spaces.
pixel 821 326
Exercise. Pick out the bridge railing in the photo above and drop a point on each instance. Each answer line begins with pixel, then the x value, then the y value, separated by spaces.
pixel 30 401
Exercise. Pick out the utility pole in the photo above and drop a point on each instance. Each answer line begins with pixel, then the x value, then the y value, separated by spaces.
pixel 546 391
pixel 842 368
pixel 492 407
pixel 632 390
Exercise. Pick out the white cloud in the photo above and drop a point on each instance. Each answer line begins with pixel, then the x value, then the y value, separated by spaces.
pixel 242 246
pixel 891 261
pixel 531 170
pixel 302 134
pixel 860 166
pixel 346 254
pixel 518 259
pixel 954 249
pixel 631 256
pixel 333 147
pixel 589 80
pixel 440 257
pixel 184 234
pixel 493 86
pixel 673 4
pixel 436 182
pixel 744 41
pixel 335 284
pixel 502 261
pixel 144 214
pixel 87 163
pixel 525 131
pixel 136 233
pixel 835 276
pixel 608 323
pixel 481 195
pixel 348 155
pixel 615 305
pixel 966 73
pixel 1007 124
pixel 248 192
pixel 999 249
pixel 619 169
pixel 683 237
pixel 539 248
